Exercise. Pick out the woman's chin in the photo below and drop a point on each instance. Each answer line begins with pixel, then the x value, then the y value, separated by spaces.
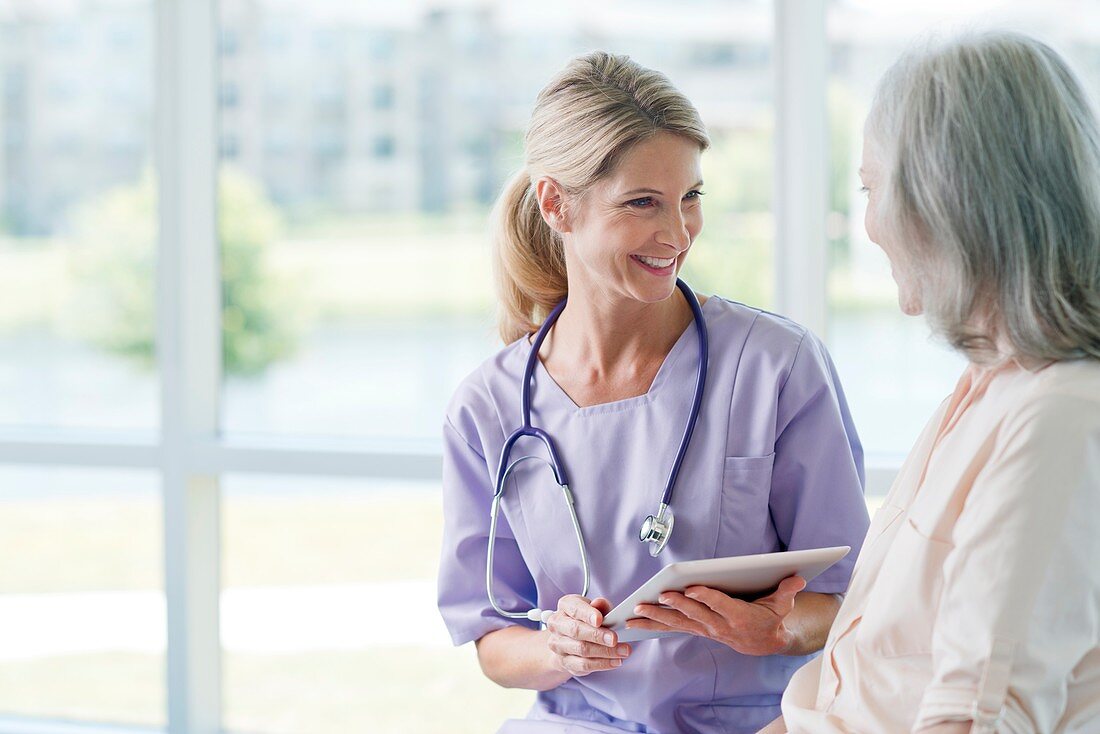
pixel 909 298
pixel 910 305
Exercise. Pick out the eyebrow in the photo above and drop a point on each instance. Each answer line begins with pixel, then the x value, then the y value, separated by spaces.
pixel 655 191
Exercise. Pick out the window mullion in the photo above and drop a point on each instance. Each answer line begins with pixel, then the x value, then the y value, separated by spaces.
pixel 189 355
pixel 801 162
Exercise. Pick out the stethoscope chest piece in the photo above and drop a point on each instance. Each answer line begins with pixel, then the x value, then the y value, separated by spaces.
pixel 657 530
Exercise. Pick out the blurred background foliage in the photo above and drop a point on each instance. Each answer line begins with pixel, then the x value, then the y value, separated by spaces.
pixel 113 265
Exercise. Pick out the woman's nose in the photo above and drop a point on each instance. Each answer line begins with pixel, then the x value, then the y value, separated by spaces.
pixel 674 231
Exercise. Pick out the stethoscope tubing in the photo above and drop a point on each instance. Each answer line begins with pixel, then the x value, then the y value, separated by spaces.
pixel 697 399
pixel 504 468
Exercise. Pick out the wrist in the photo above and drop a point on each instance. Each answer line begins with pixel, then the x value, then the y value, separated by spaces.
pixel 553 672
pixel 781 642
pixel 789 644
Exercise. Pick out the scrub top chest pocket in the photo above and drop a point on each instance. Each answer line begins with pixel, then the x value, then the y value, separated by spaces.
pixel 744 518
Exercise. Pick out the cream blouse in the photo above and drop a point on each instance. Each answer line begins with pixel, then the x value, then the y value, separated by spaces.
pixel 977 592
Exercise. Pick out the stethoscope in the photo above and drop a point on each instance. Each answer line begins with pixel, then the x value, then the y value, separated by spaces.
pixel 656 529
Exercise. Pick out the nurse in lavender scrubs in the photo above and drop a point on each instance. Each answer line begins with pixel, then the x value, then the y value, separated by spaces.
pixel 605 212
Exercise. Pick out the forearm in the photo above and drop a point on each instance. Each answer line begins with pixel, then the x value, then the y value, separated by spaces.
pixel 518 657
pixel 809 622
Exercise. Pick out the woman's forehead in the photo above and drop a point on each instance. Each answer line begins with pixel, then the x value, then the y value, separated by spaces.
pixel 662 160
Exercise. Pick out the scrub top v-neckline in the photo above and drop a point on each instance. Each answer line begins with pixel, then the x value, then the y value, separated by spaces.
pixel 615 406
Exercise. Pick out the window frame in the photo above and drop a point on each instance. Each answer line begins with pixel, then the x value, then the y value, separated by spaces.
pixel 188 451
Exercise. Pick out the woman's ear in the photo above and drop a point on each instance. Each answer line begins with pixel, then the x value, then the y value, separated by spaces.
pixel 551 197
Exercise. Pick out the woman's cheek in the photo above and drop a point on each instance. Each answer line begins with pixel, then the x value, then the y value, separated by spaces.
pixel 695 224
pixel 870 224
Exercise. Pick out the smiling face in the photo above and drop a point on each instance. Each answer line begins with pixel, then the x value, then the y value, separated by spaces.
pixel 628 235
pixel 873 175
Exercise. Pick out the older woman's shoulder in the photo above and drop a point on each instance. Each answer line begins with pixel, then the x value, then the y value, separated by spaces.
pixel 1069 381
pixel 1059 399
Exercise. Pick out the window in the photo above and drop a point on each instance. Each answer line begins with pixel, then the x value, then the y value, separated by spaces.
pixel 82 600
pixel 345 283
pixel 77 219
pixel 328 627
pixel 383 97
pixel 894 372
pixel 356 160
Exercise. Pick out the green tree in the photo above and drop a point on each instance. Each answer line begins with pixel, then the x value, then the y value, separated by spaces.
pixel 114 265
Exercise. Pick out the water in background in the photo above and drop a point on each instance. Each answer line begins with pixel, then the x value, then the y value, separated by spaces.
pixel 392 382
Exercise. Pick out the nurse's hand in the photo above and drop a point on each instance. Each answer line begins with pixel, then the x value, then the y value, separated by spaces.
pixel 750 628
pixel 577 643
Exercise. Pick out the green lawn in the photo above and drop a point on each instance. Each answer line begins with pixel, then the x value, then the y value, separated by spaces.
pixel 384 691
pixel 114 543
pixel 297 540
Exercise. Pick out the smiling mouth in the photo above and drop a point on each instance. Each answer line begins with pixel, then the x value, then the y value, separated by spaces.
pixel 657 263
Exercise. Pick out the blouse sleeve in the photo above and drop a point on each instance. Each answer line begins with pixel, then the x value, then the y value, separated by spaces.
pixel 1019 609
pixel 467 495
pixel 817 482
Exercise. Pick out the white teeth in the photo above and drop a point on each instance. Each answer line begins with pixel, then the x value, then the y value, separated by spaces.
pixel 656 262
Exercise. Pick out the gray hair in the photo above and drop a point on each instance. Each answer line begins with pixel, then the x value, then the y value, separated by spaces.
pixel 991 155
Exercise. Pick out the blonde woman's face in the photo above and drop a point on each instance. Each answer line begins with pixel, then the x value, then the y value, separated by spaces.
pixel 872 174
pixel 630 233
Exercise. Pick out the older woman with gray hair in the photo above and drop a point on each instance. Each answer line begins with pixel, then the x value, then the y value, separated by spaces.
pixel 975 604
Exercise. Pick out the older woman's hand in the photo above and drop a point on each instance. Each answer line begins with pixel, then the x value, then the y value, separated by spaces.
pixel 750 628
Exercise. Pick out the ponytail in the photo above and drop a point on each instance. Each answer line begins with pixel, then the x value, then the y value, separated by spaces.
pixel 584 120
pixel 528 261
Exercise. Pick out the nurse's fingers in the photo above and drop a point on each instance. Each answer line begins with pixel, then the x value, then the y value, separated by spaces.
pixel 781 601
pixel 583 666
pixel 581 609
pixel 578 648
pixel 566 626
pixel 670 618
pixel 642 623
pixel 691 608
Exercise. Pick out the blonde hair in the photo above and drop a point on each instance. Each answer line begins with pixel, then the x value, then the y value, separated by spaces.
pixel 992 152
pixel 584 120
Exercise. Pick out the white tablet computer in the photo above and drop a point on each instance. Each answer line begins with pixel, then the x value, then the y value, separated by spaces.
pixel 739 575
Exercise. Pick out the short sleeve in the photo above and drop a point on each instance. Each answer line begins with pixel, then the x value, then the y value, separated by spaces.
pixel 817 482
pixel 463 599
pixel 1020 610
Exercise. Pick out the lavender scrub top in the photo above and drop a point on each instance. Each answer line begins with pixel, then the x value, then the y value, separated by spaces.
pixel 774 464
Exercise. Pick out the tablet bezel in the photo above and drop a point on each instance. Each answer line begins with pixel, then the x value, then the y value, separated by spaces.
pixel 736 575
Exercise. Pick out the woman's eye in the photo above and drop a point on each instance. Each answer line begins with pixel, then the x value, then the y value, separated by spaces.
pixel 694 194
pixel 640 203
pixel 864 190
